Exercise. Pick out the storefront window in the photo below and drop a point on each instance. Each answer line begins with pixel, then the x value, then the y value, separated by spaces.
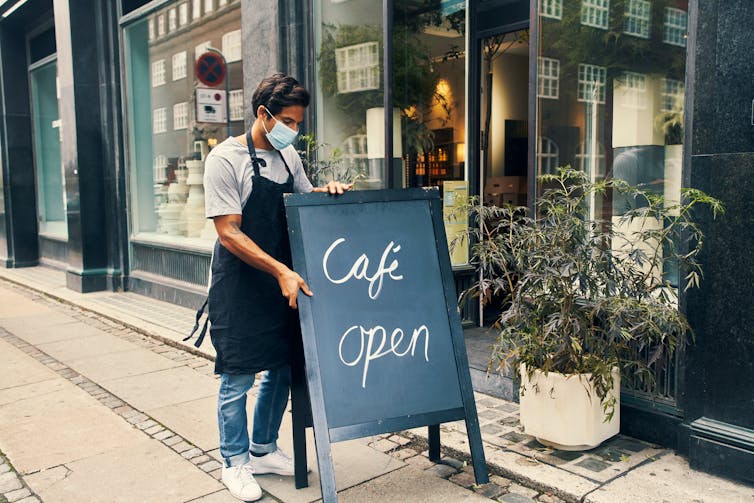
pixel 174 120
pixel 46 120
pixel 614 106
pixel 429 92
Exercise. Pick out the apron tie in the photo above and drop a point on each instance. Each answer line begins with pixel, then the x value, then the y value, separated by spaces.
pixel 199 314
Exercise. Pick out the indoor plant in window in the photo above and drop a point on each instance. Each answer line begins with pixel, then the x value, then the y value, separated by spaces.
pixel 587 303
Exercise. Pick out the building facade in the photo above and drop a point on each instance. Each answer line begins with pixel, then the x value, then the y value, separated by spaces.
pixel 104 124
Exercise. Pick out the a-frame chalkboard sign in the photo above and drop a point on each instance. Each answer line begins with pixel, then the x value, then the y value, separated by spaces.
pixel 382 337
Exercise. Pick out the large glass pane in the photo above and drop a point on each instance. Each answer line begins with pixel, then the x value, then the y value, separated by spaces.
pixel 50 185
pixel 610 96
pixel 429 96
pixel 174 120
pixel 350 113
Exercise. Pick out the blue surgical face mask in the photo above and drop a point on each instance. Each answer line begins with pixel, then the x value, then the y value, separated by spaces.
pixel 281 135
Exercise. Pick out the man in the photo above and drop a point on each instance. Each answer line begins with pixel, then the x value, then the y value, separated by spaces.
pixel 253 290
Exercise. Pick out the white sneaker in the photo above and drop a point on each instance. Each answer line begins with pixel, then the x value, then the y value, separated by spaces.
pixel 240 482
pixel 276 462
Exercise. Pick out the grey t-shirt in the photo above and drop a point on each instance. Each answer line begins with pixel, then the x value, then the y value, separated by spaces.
pixel 228 172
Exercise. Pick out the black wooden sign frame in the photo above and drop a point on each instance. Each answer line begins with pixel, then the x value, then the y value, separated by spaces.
pixel 313 402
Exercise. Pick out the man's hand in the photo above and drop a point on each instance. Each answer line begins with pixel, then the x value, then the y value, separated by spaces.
pixel 334 187
pixel 290 283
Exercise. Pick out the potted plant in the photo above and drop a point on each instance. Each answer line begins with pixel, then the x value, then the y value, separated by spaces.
pixel 586 301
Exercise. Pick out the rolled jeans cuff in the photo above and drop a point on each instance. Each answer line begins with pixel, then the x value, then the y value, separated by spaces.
pixel 237 460
pixel 264 448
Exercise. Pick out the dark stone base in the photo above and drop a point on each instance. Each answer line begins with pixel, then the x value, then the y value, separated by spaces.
pixel 13 264
pixel 93 281
pixel 640 420
pixel 722 449
pixel 167 290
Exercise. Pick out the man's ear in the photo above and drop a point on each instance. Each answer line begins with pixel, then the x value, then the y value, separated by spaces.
pixel 261 110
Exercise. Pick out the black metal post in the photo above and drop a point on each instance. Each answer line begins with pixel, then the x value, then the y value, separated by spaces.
pixel 387 84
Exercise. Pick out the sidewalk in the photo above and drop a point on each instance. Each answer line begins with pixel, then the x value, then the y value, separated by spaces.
pixel 99 401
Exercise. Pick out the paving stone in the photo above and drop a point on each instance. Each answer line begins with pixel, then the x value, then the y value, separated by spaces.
pixel 217 474
pixel 515 498
pixel 4 468
pixel 30 499
pixel 492 429
pixel 533 444
pixel 490 490
pixel 182 446
pixel 549 498
pixel 455 463
pixel 500 481
pixel 628 444
pixel 146 424
pixel 200 459
pixel 14 496
pixel 125 411
pixel 192 453
pixel 154 429
pixel 137 418
pixel 515 437
pixel 384 445
pixel 442 471
pixel 611 454
pixel 421 462
pixel 162 435
pixel 210 465
pixel 567 455
pixel 592 464
pixel 171 441
pixel 509 421
pixel 523 491
pixel 404 454
pixel 113 403
pixel 463 479
pixel 508 407
pixel 400 440
pixel 489 414
pixel 9 482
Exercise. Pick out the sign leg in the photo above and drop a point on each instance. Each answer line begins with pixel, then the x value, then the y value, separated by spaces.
pixel 300 406
pixel 434 442
pixel 477 451
pixel 324 459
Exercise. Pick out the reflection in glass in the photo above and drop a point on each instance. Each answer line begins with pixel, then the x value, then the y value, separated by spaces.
pixel 173 119
pixel 619 107
pixel 50 182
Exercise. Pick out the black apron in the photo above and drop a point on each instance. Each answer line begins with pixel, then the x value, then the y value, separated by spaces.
pixel 251 325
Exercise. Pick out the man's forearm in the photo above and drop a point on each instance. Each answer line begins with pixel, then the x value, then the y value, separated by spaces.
pixel 243 247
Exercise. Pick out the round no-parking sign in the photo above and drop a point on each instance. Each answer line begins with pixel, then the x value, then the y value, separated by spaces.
pixel 210 69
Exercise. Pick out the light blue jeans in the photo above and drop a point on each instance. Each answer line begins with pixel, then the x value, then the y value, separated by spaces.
pixel 268 414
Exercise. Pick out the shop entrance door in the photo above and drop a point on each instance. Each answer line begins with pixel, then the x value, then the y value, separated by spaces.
pixel 47 161
pixel 499 104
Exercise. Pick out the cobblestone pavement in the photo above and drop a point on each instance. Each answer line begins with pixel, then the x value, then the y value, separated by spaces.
pixel 521 469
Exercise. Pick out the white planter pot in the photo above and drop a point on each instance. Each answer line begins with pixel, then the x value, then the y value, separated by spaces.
pixel 564 411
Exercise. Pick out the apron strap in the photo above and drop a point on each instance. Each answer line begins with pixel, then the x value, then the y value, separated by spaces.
pixel 256 161
pixel 199 314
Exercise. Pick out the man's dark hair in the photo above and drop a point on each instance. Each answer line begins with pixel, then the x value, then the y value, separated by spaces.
pixel 279 91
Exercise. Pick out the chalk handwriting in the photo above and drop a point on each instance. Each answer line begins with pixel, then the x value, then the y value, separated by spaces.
pixel 368 352
pixel 360 268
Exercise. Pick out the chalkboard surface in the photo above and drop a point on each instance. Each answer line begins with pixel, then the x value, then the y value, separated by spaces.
pixel 382 335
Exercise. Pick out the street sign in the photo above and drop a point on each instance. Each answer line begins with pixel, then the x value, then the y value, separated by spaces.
pixel 210 105
pixel 210 69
